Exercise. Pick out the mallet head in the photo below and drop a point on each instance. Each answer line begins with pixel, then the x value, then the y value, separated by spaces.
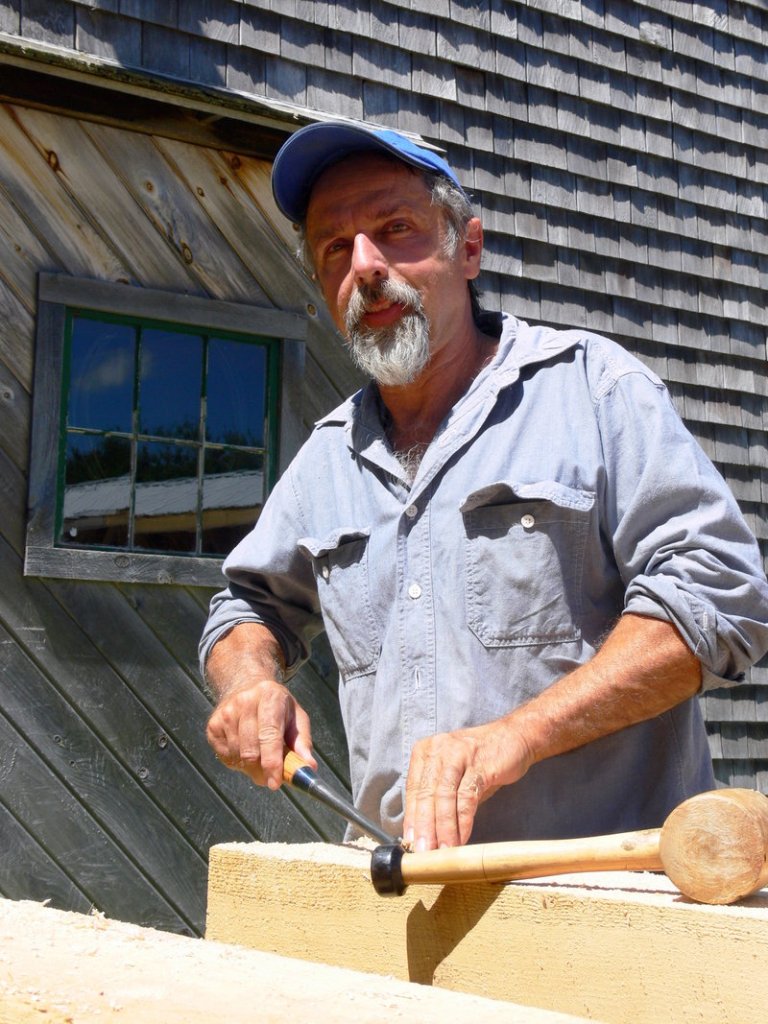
pixel 714 846
pixel 386 870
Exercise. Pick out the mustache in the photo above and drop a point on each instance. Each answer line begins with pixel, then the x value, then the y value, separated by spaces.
pixel 367 295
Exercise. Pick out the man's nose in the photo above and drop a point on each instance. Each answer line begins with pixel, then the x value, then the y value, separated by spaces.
pixel 368 262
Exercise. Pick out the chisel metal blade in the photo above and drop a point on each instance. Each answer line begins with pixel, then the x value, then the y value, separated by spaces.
pixel 301 776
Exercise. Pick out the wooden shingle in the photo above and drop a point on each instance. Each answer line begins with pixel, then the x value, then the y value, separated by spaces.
pixel 153 12
pixel 432 77
pixel 451 124
pixel 105 35
pixel 510 58
pixel 470 88
pixel 503 22
pixel 260 31
pixel 655 29
pixel 353 17
pixel 376 62
pixel 10 17
pixel 609 51
pixel 297 41
pixel 623 18
pixel 49 21
pixel 463 45
pixel 215 20
pixel 207 61
pixel 507 97
pixel 286 81
pixel 326 90
pixel 380 104
pixel 573 117
pixel 477 14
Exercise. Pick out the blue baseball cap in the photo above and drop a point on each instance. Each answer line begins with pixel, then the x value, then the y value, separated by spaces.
pixel 309 151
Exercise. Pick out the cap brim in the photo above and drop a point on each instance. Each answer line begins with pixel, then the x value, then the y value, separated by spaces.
pixel 311 150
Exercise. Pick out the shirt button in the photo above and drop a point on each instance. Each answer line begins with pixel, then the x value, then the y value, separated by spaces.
pixel 528 521
pixel 325 572
pixel 414 591
pixel 411 511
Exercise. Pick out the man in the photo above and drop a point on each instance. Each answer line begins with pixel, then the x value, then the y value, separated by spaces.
pixel 526 567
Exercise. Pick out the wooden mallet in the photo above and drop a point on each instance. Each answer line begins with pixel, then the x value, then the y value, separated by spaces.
pixel 713 847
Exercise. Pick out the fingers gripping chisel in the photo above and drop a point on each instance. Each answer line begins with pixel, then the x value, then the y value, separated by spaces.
pixel 301 776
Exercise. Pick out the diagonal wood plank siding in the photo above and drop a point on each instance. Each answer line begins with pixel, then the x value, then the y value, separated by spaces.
pixel 618 153
pixel 105 776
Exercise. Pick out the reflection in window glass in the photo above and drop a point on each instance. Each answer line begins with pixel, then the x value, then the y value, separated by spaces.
pixel 97 490
pixel 237 388
pixel 101 375
pixel 166 436
pixel 233 493
pixel 170 383
pixel 166 497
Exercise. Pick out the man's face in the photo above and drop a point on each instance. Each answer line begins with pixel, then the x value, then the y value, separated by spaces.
pixel 377 244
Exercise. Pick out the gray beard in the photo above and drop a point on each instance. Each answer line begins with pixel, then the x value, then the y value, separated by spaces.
pixel 395 355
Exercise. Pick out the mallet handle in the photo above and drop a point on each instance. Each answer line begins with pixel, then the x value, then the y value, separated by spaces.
pixel 505 862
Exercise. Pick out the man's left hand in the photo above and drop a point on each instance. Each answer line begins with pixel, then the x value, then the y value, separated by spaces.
pixel 450 775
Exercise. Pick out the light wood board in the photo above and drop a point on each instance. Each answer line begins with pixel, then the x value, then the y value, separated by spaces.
pixel 619 947
pixel 59 968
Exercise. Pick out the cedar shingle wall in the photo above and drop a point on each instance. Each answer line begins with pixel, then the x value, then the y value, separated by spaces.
pixel 619 153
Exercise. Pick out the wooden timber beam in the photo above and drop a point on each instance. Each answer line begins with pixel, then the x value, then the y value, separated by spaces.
pixel 623 948
pixel 58 968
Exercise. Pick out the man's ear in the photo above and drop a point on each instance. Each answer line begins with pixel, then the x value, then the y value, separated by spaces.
pixel 473 248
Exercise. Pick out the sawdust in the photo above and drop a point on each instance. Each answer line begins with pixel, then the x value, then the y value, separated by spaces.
pixel 64 968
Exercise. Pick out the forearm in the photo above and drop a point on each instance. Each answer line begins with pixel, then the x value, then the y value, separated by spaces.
pixel 247 652
pixel 643 669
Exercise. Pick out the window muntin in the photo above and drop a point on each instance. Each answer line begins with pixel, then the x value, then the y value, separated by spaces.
pixel 169 435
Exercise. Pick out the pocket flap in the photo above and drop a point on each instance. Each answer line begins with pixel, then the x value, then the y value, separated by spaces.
pixel 343 535
pixel 504 492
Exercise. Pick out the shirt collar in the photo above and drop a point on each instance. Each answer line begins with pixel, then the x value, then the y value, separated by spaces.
pixel 519 345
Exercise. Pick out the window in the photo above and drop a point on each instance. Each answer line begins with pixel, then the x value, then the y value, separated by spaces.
pixel 160 423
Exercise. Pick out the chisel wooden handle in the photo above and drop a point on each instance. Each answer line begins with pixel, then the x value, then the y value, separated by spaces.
pixel 714 848
pixel 292 763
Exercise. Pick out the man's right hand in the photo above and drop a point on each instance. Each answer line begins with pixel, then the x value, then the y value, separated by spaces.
pixel 257 718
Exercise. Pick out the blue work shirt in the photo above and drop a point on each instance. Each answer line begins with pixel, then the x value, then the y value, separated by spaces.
pixel 561 491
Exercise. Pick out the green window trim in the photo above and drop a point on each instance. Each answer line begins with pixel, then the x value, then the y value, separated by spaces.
pixel 63 299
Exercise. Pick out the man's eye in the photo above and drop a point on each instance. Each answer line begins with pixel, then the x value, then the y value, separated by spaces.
pixel 334 249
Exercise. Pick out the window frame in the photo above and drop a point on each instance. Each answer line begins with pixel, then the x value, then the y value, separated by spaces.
pixel 58 293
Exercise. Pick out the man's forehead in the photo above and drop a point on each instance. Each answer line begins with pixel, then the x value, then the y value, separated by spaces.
pixel 379 183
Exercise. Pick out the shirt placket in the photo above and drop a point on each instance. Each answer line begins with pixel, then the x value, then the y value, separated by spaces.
pixel 417 624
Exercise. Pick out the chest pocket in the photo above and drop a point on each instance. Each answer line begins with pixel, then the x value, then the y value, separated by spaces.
pixel 340 563
pixel 524 555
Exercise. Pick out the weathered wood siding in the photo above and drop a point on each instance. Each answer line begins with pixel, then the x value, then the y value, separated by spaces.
pixel 109 796
pixel 618 152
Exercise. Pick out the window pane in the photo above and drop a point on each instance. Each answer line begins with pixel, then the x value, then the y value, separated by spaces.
pixel 164 484
pixel 97 491
pixel 237 386
pixel 166 497
pixel 101 377
pixel 170 384
pixel 233 493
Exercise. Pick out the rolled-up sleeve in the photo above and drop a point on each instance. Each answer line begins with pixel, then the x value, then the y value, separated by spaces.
pixel 681 543
pixel 270 583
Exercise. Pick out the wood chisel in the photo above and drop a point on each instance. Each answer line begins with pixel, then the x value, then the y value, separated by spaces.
pixel 301 776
